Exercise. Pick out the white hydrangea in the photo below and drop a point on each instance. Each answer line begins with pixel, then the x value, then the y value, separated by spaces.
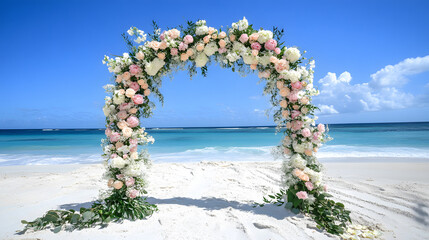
pixel 264 60
pixel 202 30
pixel 250 59
pixel 292 54
pixel 292 75
pixel 210 48
pixel 264 35
pixel 118 99
pixel 297 161
pixel 134 170
pixel 153 67
pixel 299 148
pixel 201 60
pixel 118 162
pixel 239 48
pixel 200 23
pixel 232 57
pixel 108 109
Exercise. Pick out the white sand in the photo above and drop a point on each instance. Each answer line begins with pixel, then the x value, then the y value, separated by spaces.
pixel 214 200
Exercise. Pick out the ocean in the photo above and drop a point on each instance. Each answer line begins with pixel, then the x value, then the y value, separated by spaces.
pixel 82 146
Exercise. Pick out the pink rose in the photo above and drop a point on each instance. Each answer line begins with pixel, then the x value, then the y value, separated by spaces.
pixel 122 114
pixel 309 186
pixel 162 36
pixel 130 181
pixel 270 44
pixel 295 113
pixel 297 85
pixel 133 149
pixel 133 121
pixel 174 51
pixel 114 137
pixel 188 39
pixel 124 106
pixel 296 125
pixel 138 99
pixel 108 132
pixel 316 136
pixel 277 50
pixel 243 38
pixel 321 128
pixel 183 46
pixel 134 142
pixel 325 188
pixel 302 195
pixel 113 156
pixel 256 46
pixel 135 86
pixel 221 50
pixel 174 33
pixel 293 96
pixel 133 193
pixel 134 69
pixel 306 132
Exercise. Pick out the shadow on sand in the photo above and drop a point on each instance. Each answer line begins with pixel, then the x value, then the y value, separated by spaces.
pixel 208 204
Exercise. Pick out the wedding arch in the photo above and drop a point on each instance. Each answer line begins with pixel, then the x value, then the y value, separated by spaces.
pixel 138 74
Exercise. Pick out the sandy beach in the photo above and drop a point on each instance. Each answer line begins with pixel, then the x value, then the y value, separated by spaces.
pixel 214 200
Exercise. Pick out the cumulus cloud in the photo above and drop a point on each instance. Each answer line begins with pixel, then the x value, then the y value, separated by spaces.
pixel 383 91
pixel 396 75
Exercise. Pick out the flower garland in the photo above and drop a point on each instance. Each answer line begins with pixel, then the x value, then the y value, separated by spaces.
pixel 138 75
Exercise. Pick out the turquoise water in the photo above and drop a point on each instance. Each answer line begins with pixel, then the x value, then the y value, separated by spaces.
pixel 50 146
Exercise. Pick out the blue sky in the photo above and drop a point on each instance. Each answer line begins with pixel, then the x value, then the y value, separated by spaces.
pixel 52 75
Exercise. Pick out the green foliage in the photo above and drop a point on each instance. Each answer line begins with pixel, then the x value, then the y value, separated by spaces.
pixel 114 208
pixel 328 214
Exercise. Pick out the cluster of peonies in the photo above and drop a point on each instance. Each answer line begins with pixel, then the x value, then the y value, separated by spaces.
pixel 357 232
pixel 290 83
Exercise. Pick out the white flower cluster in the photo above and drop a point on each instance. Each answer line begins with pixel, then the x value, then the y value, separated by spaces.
pixel 141 36
pixel 116 64
pixel 241 25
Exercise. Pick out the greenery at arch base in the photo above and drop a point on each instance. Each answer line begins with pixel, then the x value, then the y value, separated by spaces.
pixel 288 78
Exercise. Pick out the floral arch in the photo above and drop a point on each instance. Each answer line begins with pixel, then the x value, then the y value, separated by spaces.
pixel 138 76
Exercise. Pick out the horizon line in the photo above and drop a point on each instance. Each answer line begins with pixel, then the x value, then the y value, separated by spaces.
pixel 177 127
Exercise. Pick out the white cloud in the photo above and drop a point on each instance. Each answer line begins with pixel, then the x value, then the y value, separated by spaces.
pixel 325 109
pixel 339 94
pixel 396 75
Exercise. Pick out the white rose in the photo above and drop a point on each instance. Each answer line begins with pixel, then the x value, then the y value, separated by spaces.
pixel 210 49
pixel 264 35
pixel 202 30
pixel 127 132
pixel 292 54
pixel 118 162
pixel 201 60
pixel 106 110
pixel 124 149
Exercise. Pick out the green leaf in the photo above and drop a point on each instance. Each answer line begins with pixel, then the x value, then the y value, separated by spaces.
pixel 24 222
pixel 295 210
pixel 75 218
pixel 57 229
